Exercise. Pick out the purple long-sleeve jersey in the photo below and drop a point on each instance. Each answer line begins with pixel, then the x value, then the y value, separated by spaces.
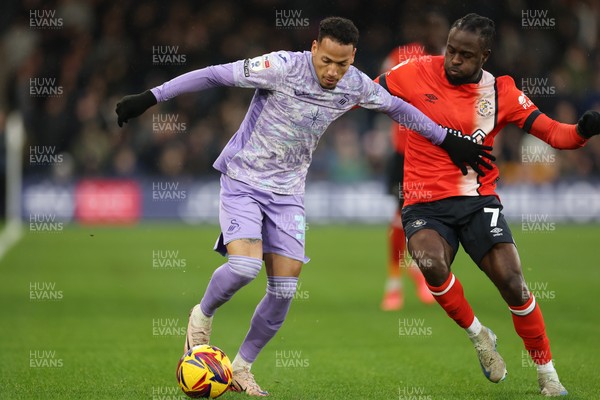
pixel 289 112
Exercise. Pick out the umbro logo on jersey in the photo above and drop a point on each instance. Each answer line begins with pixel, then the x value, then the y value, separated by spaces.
pixel 497 232
pixel 432 98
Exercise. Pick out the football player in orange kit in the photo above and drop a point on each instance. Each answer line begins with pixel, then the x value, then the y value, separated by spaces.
pixel 444 207
pixel 433 30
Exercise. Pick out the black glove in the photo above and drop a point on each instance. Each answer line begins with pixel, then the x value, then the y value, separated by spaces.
pixel 463 151
pixel 589 124
pixel 134 105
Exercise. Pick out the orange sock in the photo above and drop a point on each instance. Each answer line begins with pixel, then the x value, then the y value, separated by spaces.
pixel 452 299
pixel 529 324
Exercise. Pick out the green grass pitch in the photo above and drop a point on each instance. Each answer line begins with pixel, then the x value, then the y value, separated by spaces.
pixel 100 313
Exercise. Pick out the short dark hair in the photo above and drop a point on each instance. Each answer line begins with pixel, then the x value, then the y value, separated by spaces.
pixel 482 26
pixel 339 29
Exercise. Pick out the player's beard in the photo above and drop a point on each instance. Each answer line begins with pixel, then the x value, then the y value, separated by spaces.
pixel 465 79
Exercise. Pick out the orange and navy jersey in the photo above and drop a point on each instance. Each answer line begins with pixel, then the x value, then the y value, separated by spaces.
pixel 478 110
pixel 413 51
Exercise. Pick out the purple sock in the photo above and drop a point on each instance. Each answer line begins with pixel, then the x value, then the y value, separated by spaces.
pixel 230 277
pixel 269 315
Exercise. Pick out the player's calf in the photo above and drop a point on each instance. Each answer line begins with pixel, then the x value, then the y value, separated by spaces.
pixel 225 282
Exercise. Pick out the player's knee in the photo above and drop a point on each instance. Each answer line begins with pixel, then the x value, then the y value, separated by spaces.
pixel 428 253
pixel 514 289
pixel 246 267
pixel 430 258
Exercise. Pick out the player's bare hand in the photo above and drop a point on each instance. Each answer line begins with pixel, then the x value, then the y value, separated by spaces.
pixel 133 106
pixel 463 152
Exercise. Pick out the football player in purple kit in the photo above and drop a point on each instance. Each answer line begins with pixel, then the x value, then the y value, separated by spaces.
pixel 264 166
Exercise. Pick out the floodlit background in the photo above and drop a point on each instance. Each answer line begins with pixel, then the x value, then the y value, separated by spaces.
pixel 108 233
pixel 67 63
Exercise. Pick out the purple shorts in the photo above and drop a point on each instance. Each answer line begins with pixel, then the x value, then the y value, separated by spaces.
pixel 278 220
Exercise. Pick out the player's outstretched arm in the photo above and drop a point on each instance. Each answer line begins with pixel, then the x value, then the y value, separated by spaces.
pixel 263 72
pixel 133 106
pixel 462 151
pixel 564 136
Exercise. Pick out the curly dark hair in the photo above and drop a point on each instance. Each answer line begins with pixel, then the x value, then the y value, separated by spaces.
pixel 338 29
pixel 482 26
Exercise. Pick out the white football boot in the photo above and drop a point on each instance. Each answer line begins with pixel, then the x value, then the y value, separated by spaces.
pixel 550 385
pixel 243 381
pixel 491 361
pixel 198 330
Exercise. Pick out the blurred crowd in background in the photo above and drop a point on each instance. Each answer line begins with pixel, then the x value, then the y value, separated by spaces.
pixel 91 53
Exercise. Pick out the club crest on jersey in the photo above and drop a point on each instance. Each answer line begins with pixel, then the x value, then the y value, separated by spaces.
pixel 259 63
pixel 234 227
pixel 484 107
pixel 419 223
pixel 524 101
pixel 344 100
